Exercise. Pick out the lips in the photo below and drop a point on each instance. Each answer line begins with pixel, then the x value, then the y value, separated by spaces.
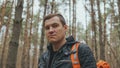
pixel 51 36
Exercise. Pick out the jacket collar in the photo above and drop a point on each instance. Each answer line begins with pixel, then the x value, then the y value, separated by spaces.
pixel 70 42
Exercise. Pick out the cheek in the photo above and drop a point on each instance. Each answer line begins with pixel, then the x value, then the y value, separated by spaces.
pixel 46 33
pixel 61 32
pixel 58 30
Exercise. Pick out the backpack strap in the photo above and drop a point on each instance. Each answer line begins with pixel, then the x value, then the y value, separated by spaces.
pixel 74 56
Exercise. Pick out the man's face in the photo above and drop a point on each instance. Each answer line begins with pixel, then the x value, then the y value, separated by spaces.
pixel 54 30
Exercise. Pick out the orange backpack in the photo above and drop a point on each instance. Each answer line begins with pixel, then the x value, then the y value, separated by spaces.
pixel 74 57
pixel 102 64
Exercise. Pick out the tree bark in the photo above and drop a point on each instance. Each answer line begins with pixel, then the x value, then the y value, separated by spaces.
pixel 94 42
pixel 102 47
pixel 14 43
pixel 118 3
pixel 2 13
pixel 5 47
pixel 104 34
pixel 42 31
pixel 26 47
pixel 52 6
pixel 70 31
pixel 74 20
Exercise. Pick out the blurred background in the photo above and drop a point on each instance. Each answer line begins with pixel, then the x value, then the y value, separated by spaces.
pixel 22 38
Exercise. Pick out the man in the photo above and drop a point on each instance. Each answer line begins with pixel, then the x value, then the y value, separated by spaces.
pixel 59 48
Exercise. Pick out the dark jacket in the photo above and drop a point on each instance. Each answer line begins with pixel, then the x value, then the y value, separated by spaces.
pixel 61 59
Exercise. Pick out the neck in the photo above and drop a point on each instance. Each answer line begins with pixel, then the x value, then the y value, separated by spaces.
pixel 58 45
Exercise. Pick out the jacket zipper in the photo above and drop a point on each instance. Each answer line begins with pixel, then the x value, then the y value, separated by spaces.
pixel 53 60
pixel 48 60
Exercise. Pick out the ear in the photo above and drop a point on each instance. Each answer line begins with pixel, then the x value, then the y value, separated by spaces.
pixel 65 27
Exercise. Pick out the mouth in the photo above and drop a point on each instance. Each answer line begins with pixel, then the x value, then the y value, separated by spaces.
pixel 51 36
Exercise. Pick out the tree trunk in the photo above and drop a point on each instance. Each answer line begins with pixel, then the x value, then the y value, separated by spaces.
pixel 104 28
pixel 118 3
pixel 14 43
pixel 119 27
pixel 104 34
pixel 70 31
pixel 102 47
pixel 35 56
pixel 30 58
pixel 26 47
pixel 74 20
pixel 52 6
pixel 5 47
pixel 86 32
pixel 114 55
pixel 2 14
pixel 35 42
pixel 94 43
pixel 42 31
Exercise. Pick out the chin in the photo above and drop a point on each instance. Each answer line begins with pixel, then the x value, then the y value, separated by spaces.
pixel 52 41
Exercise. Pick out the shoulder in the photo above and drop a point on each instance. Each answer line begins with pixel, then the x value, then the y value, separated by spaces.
pixel 42 60
pixel 86 56
pixel 83 46
pixel 44 56
pixel 84 50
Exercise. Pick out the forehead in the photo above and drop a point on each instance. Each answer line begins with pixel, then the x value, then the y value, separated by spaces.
pixel 52 20
pixel 55 18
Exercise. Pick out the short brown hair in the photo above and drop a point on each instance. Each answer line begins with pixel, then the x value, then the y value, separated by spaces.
pixel 63 22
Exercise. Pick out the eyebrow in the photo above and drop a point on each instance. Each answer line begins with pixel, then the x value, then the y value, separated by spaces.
pixel 53 23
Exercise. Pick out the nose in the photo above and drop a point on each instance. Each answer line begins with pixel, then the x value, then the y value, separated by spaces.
pixel 51 30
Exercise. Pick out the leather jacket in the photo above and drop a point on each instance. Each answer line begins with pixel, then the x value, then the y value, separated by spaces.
pixel 62 59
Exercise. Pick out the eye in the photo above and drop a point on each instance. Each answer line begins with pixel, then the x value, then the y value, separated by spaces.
pixel 47 28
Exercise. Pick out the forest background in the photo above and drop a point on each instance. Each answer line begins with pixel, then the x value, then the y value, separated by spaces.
pixel 22 38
